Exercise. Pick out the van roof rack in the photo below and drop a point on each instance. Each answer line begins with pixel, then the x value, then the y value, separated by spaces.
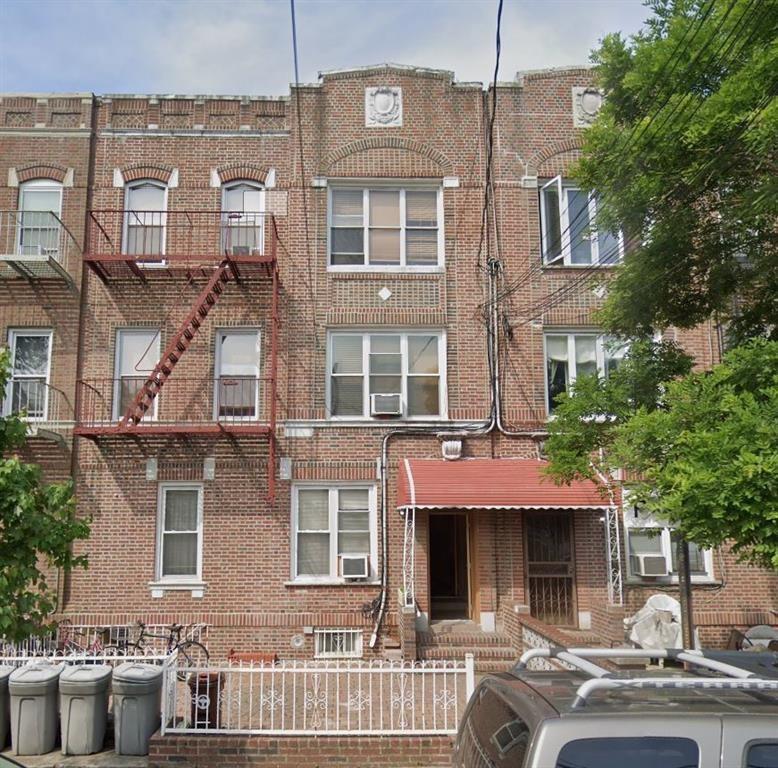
pixel 735 677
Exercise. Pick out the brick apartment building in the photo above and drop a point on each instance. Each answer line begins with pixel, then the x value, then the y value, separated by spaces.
pixel 257 337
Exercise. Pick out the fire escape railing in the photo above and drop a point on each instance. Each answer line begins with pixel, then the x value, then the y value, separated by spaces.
pixel 222 248
pixel 36 245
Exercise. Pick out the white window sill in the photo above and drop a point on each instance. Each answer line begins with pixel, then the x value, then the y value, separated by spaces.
pixel 158 588
pixel 561 265
pixel 671 581
pixel 348 420
pixel 329 582
pixel 384 268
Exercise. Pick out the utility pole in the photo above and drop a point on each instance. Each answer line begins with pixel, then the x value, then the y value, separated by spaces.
pixel 685 590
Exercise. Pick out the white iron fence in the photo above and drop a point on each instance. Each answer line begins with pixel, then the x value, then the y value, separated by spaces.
pixel 309 697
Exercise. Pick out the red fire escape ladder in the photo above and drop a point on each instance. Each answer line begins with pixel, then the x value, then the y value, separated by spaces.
pixel 180 342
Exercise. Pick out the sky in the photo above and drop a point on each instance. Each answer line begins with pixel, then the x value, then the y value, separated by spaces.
pixel 245 46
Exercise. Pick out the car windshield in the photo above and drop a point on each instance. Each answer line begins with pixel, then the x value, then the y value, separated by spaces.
pixel 637 752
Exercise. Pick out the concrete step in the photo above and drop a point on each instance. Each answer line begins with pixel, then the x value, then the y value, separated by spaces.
pixel 461 639
pixel 499 653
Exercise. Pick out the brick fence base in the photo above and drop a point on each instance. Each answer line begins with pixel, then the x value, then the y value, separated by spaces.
pixel 203 751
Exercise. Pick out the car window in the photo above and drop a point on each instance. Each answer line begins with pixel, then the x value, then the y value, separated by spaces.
pixel 762 756
pixel 631 752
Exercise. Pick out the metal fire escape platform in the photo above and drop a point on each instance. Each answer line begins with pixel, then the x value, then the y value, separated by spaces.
pixel 220 248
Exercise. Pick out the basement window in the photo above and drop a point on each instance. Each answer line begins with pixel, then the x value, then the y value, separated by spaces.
pixel 338 644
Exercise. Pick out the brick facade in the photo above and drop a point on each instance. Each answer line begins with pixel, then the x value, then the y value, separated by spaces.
pixel 94 146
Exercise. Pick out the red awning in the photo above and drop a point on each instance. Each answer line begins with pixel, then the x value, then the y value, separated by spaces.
pixel 489 484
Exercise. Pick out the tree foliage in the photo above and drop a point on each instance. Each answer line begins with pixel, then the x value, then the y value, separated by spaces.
pixel 38 525
pixel 684 158
pixel 587 418
pixel 708 455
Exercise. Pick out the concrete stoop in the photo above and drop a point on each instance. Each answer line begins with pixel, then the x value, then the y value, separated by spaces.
pixel 104 759
pixel 493 651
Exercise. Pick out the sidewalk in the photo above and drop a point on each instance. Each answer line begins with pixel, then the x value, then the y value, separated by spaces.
pixel 104 759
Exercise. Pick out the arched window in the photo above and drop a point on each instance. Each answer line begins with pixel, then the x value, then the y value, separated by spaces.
pixel 40 207
pixel 243 212
pixel 145 219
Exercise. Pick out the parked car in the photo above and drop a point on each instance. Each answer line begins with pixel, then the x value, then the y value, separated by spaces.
pixel 708 711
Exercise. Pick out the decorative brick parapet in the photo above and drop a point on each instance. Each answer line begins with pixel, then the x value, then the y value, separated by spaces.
pixel 201 751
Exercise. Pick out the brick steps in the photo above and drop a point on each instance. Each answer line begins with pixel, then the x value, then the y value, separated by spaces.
pixel 493 651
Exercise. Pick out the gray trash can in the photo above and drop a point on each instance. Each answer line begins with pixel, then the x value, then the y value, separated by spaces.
pixel 83 707
pixel 33 690
pixel 137 696
pixel 5 708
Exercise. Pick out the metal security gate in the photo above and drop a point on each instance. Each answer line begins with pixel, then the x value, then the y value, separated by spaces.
pixel 550 566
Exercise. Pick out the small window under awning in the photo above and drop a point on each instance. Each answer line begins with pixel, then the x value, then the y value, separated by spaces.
pixel 489 484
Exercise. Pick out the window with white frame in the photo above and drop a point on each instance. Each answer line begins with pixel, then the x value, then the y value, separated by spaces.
pixel 338 643
pixel 145 220
pixel 40 208
pixel 569 355
pixel 386 227
pixel 330 523
pixel 137 354
pixel 650 541
pixel 180 532
pixel 28 387
pixel 237 374
pixel 243 206
pixel 386 374
pixel 568 225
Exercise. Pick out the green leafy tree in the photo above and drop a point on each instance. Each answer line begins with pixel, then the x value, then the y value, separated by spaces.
pixel 684 157
pixel 587 418
pixel 708 455
pixel 38 526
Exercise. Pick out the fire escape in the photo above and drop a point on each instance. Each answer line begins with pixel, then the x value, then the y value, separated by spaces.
pixel 219 248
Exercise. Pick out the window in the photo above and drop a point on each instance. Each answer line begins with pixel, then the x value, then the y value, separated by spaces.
pixel 145 220
pixel 137 354
pixel 636 752
pixel 243 206
pixel 762 755
pixel 180 532
pixel 385 227
pixel 511 735
pixel 646 537
pixel 338 644
pixel 28 387
pixel 374 373
pixel 40 206
pixel 237 374
pixel 569 355
pixel 568 227
pixel 330 522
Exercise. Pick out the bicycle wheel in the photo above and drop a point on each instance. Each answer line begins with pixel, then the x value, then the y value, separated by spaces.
pixel 193 655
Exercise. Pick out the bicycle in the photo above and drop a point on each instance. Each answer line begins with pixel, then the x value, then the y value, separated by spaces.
pixel 194 653
pixel 69 646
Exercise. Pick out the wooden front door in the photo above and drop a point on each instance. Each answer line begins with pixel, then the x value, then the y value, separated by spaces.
pixel 550 566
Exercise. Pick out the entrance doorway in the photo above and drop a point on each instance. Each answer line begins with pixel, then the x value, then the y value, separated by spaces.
pixel 550 566
pixel 449 583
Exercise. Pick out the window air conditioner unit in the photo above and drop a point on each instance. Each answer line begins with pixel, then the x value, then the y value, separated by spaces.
pixel 386 405
pixel 649 565
pixel 354 566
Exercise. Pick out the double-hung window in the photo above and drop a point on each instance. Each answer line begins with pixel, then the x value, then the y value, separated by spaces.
pixel 330 523
pixel 137 353
pixel 180 532
pixel 40 208
pixel 650 542
pixel 237 374
pixel 569 355
pixel 386 227
pixel 145 220
pixel 243 206
pixel 386 374
pixel 28 387
pixel 568 227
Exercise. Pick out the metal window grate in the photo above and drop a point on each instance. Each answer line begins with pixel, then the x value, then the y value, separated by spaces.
pixel 338 643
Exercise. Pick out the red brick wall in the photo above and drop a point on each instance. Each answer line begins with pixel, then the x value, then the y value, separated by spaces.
pixel 247 540
pixel 300 752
